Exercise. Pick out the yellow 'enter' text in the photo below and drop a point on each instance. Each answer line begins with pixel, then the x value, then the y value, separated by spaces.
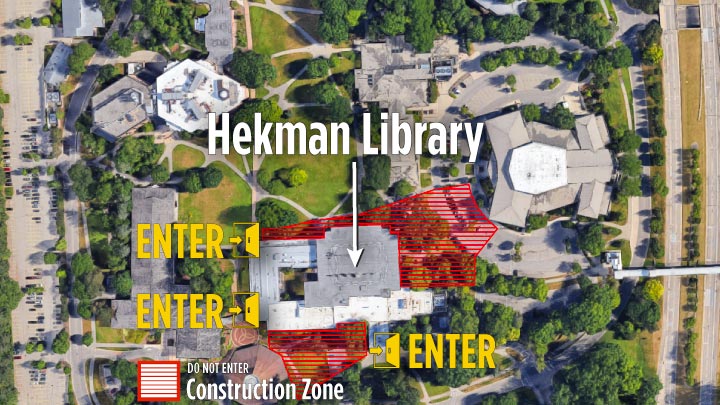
pixel 162 305
pixel 161 240
pixel 481 345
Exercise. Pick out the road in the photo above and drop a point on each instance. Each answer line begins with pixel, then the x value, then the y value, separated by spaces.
pixel 709 351
pixel 673 141
pixel 667 360
pixel 711 311
pixel 79 354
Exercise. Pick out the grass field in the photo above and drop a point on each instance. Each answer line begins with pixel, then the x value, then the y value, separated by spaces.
pixel 185 157
pixel 693 120
pixel 501 362
pixel 237 160
pixel 272 34
pixel 343 65
pixel 295 3
pixel 261 92
pixel 612 99
pixel 324 188
pixel 621 207
pixel 308 22
pixel 108 335
pixel 658 201
pixel 433 389
pixel 425 180
pixel 227 203
pixel 288 66
pixel 628 90
pixel 643 349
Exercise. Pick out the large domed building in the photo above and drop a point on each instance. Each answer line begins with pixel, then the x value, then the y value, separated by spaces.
pixel 536 168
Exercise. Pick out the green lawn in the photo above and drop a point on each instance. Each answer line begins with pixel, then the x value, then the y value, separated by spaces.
pixel 296 3
pixel 324 188
pixel 343 65
pixel 288 66
pixel 229 202
pixel 165 163
pixel 272 34
pixel 614 103
pixel 237 160
pixel 638 349
pixel 308 22
pixel 433 389
pixel 425 180
pixel 105 334
pixel 628 90
pixel 501 362
pixel 261 92
pixel 185 157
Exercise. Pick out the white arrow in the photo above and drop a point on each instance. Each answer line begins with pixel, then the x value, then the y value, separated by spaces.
pixel 355 253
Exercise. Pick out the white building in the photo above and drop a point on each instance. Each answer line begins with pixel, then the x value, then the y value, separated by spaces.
pixel 189 90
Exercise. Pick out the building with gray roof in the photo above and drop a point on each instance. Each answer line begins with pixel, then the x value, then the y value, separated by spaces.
pixel 334 290
pixel 377 274
pixel 80 18
pixel 155 205
pixel 56 70
pixel 392 72
pixel 537 168
pixel 120 108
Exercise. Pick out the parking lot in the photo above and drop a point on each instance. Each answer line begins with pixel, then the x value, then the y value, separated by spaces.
pixel 37 318
pixel 31 217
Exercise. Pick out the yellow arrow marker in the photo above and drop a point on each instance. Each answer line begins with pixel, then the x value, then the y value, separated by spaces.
pixel 235 310
pixel 235 239
pixel 375 350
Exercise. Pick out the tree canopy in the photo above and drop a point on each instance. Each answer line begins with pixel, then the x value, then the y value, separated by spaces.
pixel 575 20
pixel 602 375
pixel 271 214
pixel 251 68
pixel 121 45
pixel 61 343
pixel 81 53
pixel 591 238
pixel 268 109
pixel 377 172
pixel 560 117
pixel 138 155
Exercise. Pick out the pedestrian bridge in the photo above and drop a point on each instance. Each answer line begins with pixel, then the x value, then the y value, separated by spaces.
pixel 670 271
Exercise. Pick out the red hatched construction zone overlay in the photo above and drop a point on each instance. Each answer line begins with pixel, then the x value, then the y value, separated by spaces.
pixel 440 233
pixel 158 381
pixel 319 354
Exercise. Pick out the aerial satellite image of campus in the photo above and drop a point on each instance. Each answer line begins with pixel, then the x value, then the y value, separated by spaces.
pixel 392 202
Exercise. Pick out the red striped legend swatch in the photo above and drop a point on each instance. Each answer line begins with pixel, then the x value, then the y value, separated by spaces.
pixel 158 381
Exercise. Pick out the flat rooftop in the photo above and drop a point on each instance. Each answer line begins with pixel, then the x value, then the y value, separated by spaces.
pixel 377 274
pixel 189 90
pixel 120 108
